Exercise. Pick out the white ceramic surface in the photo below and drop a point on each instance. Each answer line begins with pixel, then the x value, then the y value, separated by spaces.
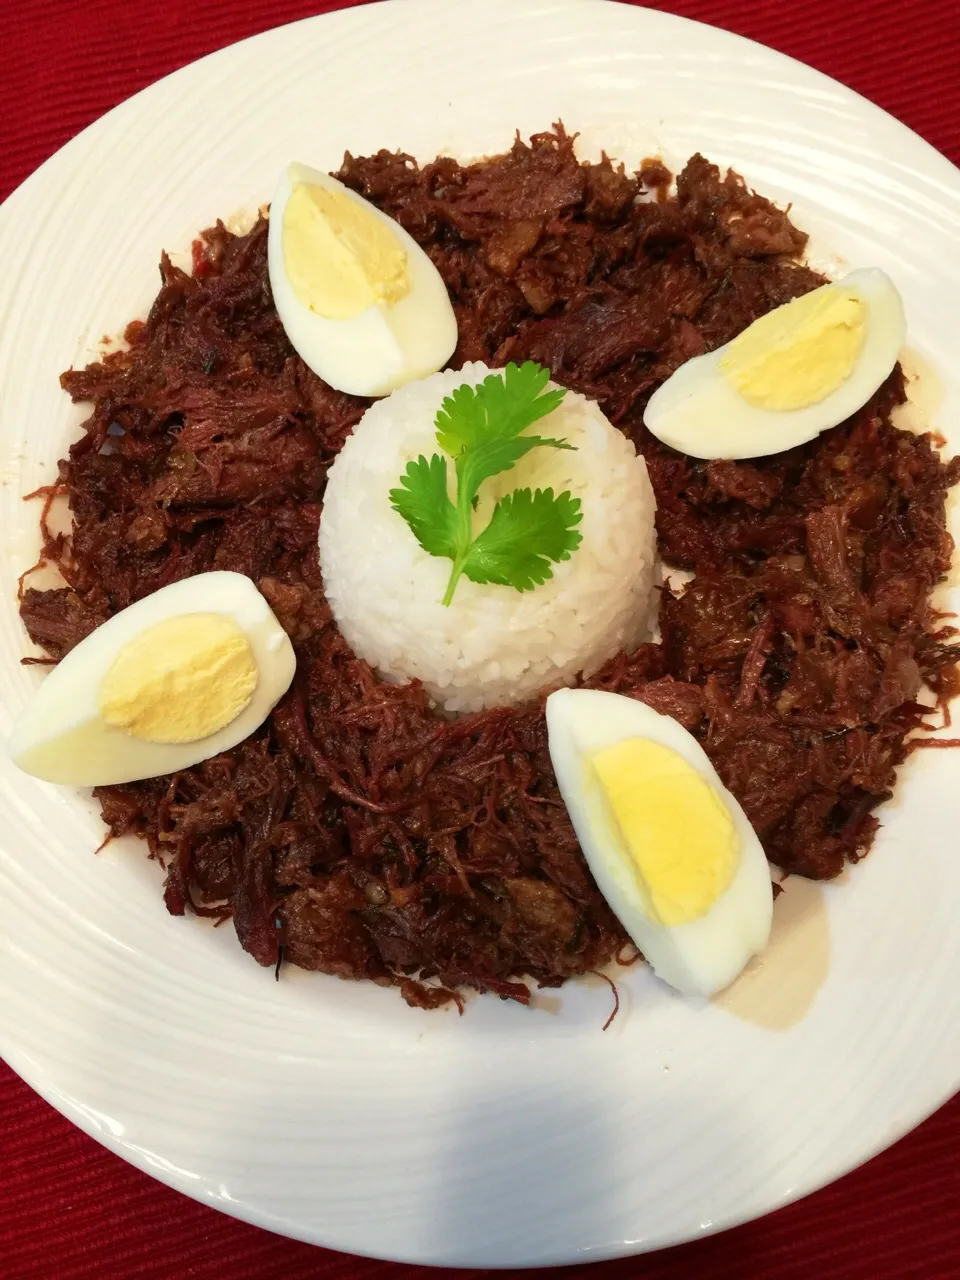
pixel 329 1111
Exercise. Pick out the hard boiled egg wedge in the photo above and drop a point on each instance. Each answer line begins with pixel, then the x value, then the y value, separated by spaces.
pixel 178 677
pixel 669 847
pixel 359 299
pixel 797 371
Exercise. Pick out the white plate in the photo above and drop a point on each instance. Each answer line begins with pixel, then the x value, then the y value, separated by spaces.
pixel 331 1111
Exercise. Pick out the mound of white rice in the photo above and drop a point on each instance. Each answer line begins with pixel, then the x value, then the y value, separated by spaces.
pixel 493 645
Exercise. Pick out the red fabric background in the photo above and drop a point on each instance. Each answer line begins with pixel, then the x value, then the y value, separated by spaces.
pixel 71 1211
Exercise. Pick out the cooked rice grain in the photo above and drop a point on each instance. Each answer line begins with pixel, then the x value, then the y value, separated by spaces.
pixel 493 646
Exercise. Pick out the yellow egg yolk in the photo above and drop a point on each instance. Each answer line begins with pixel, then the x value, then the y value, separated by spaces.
pixel 339 257
pixel 180 680
pixel 678 832
pixel 799 353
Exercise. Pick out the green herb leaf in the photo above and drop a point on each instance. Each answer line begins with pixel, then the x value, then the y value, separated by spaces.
pixel 424 504
pixel 498 409
pixel 480 428
pixel 527 532
pixel 479 463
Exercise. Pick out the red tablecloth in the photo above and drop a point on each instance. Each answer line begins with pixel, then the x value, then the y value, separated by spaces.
pixel 68 1209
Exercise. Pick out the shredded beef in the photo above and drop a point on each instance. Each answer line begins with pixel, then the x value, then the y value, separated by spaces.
pixel 356 832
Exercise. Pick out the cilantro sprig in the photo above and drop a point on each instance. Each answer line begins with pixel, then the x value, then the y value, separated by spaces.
pixel 481 429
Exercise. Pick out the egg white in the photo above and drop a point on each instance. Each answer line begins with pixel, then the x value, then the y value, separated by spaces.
pixel 701 956
pixel 62 737
pixel 698 412
pixel 385 346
